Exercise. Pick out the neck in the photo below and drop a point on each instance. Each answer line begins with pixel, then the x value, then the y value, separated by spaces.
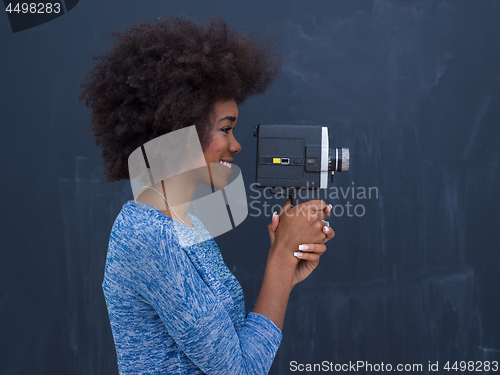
pixel 178 191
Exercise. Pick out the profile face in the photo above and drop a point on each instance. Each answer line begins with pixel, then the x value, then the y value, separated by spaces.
pixel 222 145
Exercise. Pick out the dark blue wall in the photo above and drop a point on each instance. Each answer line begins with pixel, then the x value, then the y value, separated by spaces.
pixel 411 87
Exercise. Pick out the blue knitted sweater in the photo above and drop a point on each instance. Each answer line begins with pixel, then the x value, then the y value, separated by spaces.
pixel 174 307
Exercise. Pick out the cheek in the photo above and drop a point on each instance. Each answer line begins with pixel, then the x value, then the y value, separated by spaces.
pixel 214 151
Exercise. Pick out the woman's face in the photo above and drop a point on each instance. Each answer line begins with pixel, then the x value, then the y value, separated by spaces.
pixel 222 145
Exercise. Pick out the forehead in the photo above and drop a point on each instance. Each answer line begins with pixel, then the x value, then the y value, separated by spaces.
pixel 223 108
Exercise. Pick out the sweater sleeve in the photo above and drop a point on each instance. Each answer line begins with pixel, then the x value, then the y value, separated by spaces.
pixel 198 322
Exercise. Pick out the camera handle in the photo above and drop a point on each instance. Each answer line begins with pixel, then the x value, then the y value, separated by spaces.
pixel 298 195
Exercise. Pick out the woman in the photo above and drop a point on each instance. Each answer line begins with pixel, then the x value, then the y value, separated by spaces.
pixel 174 307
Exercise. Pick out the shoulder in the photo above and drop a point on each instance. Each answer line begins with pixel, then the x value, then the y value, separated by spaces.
pixel 140 227
pixel 133 219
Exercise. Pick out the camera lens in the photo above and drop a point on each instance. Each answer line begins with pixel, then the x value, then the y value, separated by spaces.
pixel 339 160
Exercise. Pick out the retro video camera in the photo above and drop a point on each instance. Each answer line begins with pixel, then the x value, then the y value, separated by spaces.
pixel 297 160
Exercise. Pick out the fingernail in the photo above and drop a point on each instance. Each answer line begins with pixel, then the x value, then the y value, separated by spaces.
pixel 331 207
pixel 297 254
pixel 303 247
pixel 326 228
pixel 275 213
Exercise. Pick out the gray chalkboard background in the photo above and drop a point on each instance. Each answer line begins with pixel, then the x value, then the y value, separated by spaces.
pixel 411 87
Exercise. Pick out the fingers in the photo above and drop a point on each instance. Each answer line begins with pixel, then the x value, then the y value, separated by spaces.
pixel 328 209
pixel 315 229
pixel 313 257
pixel 327 229
pixel 323 229
pixel 329 233
pixel 323 233
pixel 316 205
pixel 318 208
pixel 323 214
pixel 310 251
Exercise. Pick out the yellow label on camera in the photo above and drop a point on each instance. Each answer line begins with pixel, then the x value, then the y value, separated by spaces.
pixel 276 160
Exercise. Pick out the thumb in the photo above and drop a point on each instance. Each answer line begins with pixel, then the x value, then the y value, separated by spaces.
pixel 271 228
pixel 274 223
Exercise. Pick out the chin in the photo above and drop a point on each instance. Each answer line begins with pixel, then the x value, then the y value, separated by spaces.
pixel 217 185
pixel 220 175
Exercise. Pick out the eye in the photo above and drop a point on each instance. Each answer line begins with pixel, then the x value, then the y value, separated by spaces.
pixel 226 129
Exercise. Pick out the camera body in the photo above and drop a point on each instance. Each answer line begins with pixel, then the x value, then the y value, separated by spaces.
pixel 297 157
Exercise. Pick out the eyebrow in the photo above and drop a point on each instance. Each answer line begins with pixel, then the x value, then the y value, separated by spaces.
pixel 230 118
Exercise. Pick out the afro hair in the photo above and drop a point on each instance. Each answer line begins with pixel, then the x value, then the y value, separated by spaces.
pixel 162 76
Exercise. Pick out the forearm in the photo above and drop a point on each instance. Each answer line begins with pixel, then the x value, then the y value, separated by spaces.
pixel 276 287
pixel 297 225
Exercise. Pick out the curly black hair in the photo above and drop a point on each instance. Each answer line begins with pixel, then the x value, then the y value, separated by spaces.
pixel 162 76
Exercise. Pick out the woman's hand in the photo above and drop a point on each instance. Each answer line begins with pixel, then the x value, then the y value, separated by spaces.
pixel 308 254
pixel 299 225
pixel 308 260
pixel 275 220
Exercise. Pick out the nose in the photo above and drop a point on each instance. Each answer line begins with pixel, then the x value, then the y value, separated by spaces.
pixel 234 146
